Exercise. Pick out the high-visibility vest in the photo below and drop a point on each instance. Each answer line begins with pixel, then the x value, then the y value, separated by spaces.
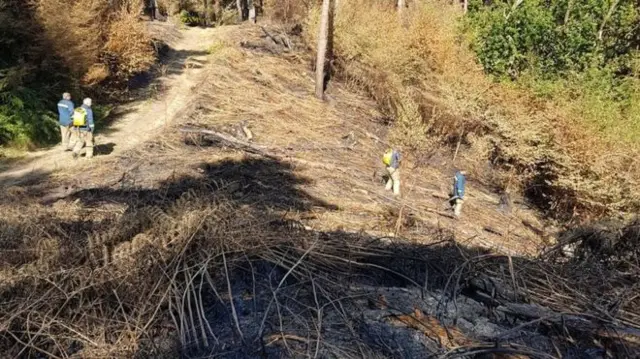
pixel 79 117
pixel 388 156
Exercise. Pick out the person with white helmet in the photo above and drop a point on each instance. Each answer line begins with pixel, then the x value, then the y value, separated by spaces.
pixel 84 127
pixel 65 114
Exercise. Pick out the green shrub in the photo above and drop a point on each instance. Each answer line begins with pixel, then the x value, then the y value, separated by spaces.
pixel 581 54
pixel 190 18
pixel 552 39
pixel 24 121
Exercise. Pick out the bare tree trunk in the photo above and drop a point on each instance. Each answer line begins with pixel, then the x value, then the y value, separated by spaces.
pixel 206 12
pixel 401 6
pixel 154 10
pixel 607 17
pixel 322 48
pixel 217 11
pixel 465 6
pixel 567 14
pixel 251 11
pixel 240 10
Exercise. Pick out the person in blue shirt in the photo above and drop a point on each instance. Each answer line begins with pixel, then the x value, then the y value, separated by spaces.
pixel 459 183
pixel 65 114
pixel 391 159
pixel 85 131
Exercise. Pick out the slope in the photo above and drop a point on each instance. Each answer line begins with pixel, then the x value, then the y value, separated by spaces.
pixel 337 144
pixel 186 244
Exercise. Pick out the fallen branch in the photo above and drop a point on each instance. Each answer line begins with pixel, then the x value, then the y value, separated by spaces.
pixel 232 142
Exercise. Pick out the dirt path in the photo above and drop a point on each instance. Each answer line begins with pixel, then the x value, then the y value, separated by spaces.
pixel 139 120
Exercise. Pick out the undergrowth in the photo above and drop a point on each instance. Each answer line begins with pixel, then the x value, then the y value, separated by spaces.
pixel 424 75
pixel 197 267
pixel 50 46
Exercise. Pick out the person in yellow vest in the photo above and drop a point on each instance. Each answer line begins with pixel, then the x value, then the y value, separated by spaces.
pixel 391 160
pixel 84 127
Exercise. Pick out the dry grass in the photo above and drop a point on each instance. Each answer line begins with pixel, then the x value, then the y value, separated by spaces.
pixel 141 279
pixel 287 11
pixel 338 144
pixel 94 36
pixel 129 44
pixel 103 294
pixel 423 75
pixel 152 262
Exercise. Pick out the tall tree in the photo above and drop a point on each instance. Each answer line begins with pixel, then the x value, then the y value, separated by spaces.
pixel 323 39
pixel 206 12
pixel 217 11
pixel 240 10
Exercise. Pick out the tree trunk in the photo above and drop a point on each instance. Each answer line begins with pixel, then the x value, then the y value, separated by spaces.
pixel 251 11
pixel 606 18
pixel 240 10
pixel 206 12
pixel 322 48
pixel 401 6
pixel 567 15
pixel 153 4
pixel 217 11
pixel 465 6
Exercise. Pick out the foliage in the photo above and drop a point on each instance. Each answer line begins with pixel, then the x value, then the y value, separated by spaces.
pixel 129 46
pixel 88 34
pixel 288 11
pixel 584 54
pixel 201 12
pixel 51 46
pixel 23 118
pixel 189 18
pixel 24 60
pixel 555 38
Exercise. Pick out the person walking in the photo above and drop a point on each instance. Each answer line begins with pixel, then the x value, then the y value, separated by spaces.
pixel 391 160
pixel 65 114
pixel 84 127
pixel 459 183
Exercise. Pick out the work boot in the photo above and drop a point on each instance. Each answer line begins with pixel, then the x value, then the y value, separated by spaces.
pixel 389 185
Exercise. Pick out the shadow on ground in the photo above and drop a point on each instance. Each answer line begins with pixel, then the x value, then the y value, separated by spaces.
pixel 26 178
pixel 212 266
pixel 260 183
pixel 104 149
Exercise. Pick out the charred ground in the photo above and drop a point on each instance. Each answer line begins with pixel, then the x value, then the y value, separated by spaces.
pixel 186 245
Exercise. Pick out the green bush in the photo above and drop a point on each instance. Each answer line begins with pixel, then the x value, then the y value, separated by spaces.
pixel 555 38
pixel 190 18
pixel 581 54
pixel 25 119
